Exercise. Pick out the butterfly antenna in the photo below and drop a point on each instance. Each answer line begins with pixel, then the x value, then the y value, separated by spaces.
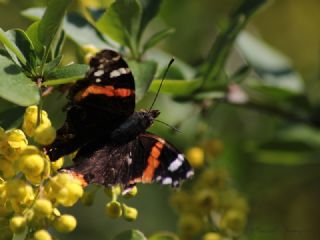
pixel 168 125
pixel 164 76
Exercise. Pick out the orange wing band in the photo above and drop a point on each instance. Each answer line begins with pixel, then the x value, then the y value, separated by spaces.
pixel 109 91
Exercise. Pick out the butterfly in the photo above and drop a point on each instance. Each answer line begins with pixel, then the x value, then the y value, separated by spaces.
pixel 113 144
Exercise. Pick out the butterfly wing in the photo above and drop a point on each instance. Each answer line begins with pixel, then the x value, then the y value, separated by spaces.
pixel 146 159
pixel 98 104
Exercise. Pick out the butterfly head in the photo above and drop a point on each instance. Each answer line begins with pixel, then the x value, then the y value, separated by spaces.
pixel 148 116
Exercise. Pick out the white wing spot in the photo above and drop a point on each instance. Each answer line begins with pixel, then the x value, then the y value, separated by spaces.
pixel 158 178
pixel 98 80
pixel 115 73
pixel 116 58
pixel 189 174
pixel 176 163
pixel 129 160
pixel 118 72
pixel 167 180
pixel 98 73
pixel 176 183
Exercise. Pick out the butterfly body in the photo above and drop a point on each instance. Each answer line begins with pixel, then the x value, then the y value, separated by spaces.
pixel 113 142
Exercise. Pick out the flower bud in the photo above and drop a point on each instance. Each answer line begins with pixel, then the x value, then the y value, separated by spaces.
pixel 56 165
pixel 89 51
pixel 42 235
pixel 113 209
pixel 129 213
pixel 65 223
pixel 31 165
pixel 6 168
pixel 15 142
pixel 17 224
pixel 212 236
pixel 42 207
pixel 190 225
pixel 206 200
pixel 233 221
pixel 195 155
pixel 30 119
pixel 132 192
pixel 44 134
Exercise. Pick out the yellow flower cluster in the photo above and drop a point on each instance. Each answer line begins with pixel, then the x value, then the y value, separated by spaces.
pixel 115 209
pixel 30 187
pixel 37 125
pixel 210 208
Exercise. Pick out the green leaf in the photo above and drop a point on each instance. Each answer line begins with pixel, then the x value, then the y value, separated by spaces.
pixel 157 37
pixel 12 117
pixel 51 21
pixel 130 235
pixel 176 87
pixel 24 44
pixel 66 74
pixel 213 67
pixel 81 32
pixel 15 86
pixel 121 22
pixel 149 11
pixel 274 68
pixel 164 236
pixel 48 67
pixel 143 73
pixel 32 32
pixel 76 27
pixel 58 44
pixel 12 48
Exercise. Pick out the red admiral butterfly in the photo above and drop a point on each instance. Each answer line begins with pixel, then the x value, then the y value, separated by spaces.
pixel 114 147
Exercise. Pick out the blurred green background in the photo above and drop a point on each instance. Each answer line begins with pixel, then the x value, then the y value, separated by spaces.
pixel 282 187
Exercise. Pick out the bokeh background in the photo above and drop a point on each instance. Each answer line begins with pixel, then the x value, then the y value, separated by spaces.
pixel 282 188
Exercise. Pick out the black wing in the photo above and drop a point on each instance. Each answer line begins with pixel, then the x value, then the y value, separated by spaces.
pixel 146 159
pixel 98 104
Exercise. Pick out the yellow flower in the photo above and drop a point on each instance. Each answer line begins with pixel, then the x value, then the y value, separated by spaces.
pixel 44 134
pixel 65 223
pixel 129 213
pixel 233 221
pixel 14 143
pixel 6 168
pixel 43 207
pixel 32 165
pixel 206 200
pixel 65 189
pixel 30 120
pixel 42 235
pixel 89 51
pixel 113 209
pixel 212 236
pixel 190 225
pixel 19 190
pixel 131 192
pixel 56 165
pixel 195 155
pixel 18 224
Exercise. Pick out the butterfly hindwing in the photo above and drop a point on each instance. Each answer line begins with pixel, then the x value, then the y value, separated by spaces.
pixel 146 159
